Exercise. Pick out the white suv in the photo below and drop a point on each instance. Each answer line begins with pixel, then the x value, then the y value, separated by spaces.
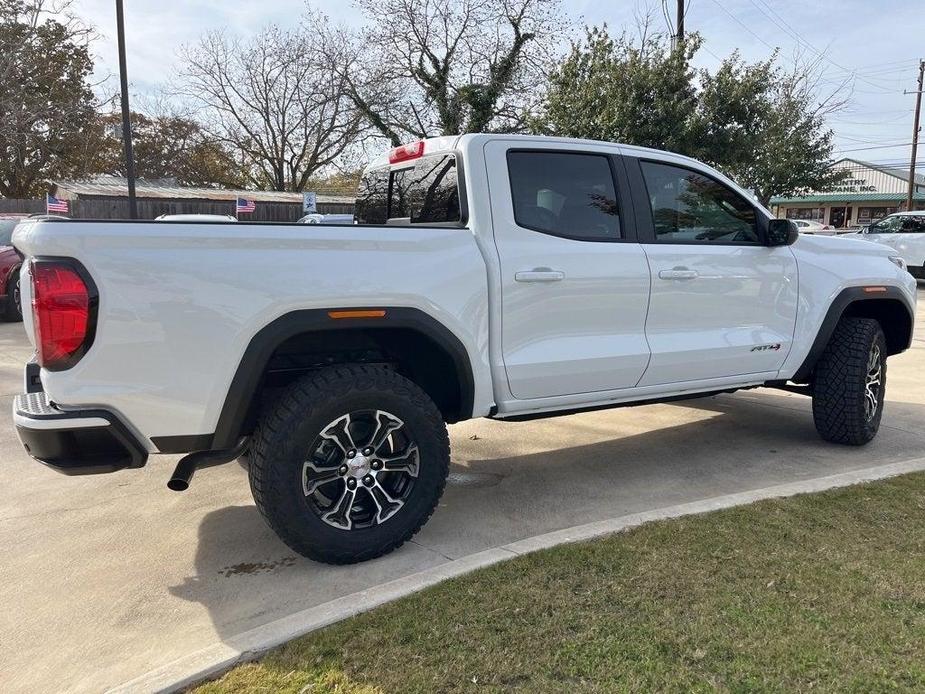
pixel 904 231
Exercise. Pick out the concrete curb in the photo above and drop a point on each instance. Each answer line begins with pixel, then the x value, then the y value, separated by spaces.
pixel 211 661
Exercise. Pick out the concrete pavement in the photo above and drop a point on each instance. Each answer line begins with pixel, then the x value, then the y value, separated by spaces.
pixel 105 578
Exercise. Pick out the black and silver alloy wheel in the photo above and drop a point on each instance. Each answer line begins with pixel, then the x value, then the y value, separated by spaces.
pixel 349 463
pixel 872 383
pixel 361 469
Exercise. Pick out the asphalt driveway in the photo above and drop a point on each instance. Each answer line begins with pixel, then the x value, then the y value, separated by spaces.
pixel 104 578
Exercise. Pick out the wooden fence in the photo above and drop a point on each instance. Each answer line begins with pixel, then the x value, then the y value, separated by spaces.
pixel 18 206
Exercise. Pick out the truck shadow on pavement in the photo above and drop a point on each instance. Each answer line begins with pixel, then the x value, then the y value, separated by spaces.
pixel 576 469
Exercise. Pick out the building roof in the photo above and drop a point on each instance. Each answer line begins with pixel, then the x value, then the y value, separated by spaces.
pixel 115 186
pixel 848 197
pixel 902 174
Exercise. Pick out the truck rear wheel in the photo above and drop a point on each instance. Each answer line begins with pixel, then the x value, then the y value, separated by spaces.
pixel 349 463
pixel 850 382
pixel 12 311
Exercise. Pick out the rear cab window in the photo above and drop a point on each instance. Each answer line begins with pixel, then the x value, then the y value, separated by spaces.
pixel 424 192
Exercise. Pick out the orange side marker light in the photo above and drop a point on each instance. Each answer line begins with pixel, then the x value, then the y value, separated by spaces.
pixel 375 313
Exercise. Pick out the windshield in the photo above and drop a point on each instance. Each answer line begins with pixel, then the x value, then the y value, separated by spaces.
pixel 901 224
pixel 6 231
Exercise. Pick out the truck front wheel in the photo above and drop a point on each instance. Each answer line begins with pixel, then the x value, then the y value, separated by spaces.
pixel 349 463
pixel 850 382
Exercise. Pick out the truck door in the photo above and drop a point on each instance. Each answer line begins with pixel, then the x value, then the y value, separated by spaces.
pixel 723 303
pixel 574 281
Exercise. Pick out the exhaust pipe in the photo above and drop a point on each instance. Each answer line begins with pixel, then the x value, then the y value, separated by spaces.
pixel 186 468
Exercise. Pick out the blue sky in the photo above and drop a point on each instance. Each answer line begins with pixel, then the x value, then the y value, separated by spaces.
pixel 879 42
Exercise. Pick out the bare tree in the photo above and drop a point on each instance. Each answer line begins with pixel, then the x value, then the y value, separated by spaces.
pixel 275 98
pixel 443 67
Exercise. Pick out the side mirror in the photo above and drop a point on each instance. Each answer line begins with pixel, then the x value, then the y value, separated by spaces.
pixel 782 232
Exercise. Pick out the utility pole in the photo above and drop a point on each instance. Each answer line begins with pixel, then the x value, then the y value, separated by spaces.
pixel 126 115
pixel 915 135
pixel 680 30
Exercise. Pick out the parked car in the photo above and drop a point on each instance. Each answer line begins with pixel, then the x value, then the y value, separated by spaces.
pixel 315 218
pixel 207 218
pixel 519 277
pixel 10 262
pixel 905 233
pixel 808 226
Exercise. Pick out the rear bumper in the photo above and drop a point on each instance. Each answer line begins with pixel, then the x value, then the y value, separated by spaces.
pixel 82 442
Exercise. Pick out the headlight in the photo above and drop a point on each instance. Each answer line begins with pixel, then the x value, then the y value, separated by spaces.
pixel 898 262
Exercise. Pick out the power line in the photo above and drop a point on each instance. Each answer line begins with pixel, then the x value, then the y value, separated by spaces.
pixel 743 25
pixel 800 40
pixel 861 149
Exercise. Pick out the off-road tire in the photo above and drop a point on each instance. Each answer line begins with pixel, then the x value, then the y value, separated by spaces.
pixel 286 431
pixel 840 381
pixel 12 313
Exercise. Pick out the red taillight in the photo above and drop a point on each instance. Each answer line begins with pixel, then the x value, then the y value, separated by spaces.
pixel 412 150
pixel 63 313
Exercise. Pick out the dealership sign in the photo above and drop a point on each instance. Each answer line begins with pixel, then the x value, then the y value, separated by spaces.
pixel 854 185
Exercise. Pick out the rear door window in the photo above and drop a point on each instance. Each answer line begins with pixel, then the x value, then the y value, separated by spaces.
pixel 426 193
pixel 565 194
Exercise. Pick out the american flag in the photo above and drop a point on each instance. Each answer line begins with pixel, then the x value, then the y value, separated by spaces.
pixel 245 205
pixel 53 204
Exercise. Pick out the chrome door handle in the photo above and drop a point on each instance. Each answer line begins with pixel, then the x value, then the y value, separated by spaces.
pixel 539 274
pixel 678 273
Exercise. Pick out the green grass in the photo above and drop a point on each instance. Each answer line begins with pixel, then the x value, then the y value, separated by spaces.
pixel 823 592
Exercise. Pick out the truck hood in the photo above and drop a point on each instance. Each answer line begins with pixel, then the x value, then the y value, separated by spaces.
pixel 842 244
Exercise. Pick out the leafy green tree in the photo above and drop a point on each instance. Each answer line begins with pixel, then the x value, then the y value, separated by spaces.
pixel 765 128
pixel 755 122
pixel 171 146
pixel 47 105
pixel 618 90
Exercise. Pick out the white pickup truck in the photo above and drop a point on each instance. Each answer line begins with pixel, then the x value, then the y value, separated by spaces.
pixel 487 276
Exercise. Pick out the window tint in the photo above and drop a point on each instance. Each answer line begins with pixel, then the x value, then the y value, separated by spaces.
pixel 912 224
pixel 688 206
pixel 6 231
pixel 564 194
pixel 887 225
pixel 426 193
pixel 372 204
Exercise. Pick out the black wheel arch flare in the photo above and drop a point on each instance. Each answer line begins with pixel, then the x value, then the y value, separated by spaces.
pixel 843 304
pixel 247 379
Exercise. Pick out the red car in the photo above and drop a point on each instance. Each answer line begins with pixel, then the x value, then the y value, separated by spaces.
pixel 10 261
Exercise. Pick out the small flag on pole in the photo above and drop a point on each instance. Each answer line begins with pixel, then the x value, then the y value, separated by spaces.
pixel 53 204
pixel 245 205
